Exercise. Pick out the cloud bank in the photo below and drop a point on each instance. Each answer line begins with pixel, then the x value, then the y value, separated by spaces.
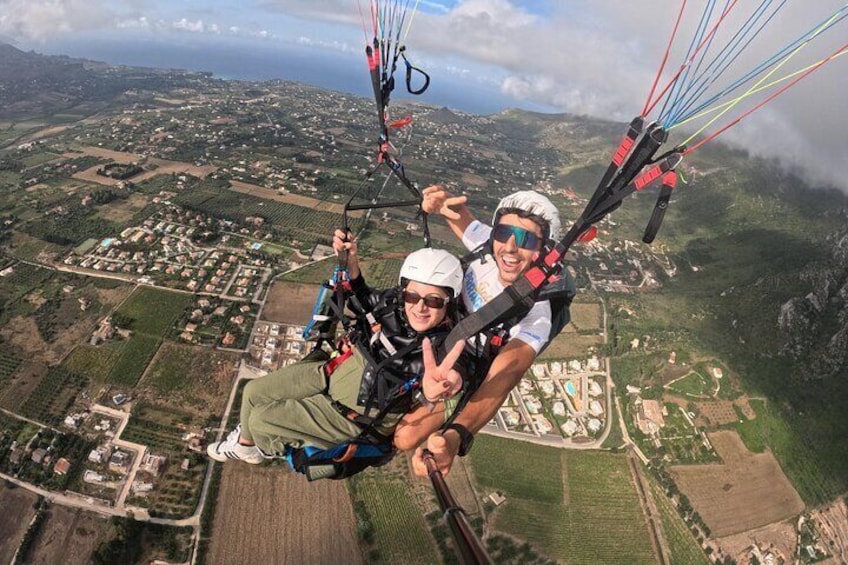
pixel 591 58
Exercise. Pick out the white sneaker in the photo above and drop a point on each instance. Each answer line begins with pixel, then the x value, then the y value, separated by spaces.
pixel 230 448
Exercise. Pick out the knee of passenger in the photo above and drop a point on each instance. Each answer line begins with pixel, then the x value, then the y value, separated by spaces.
pixel 405 438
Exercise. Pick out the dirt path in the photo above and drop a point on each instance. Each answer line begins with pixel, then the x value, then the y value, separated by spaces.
pixel 649 507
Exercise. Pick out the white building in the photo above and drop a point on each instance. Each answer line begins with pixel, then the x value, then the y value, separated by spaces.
pixel 556 368
pixel 510 416
pixel 594 388
pixel 92 477
pixel 594 425
pixel 569 428
pixel 595 408
pixel 543 426
pixel 533 405
pixel 559 408
pixel 547 388
pixel 538 370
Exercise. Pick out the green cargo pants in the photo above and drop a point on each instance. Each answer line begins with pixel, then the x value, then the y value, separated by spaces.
pixel 289 407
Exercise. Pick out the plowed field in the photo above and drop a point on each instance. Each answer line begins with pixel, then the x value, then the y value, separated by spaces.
pixel 69 536
pixel 747 491
pixel 270 515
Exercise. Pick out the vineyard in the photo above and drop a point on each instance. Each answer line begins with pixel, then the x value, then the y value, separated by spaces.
pixel 681 541
pixel 51 399
pixel 153 311
pixel 385 508
pixel 149 313
pixel 177 491
pixel 223 203
pixel 8 366
pixel 134 356
pixel 577 507
pixel 95 362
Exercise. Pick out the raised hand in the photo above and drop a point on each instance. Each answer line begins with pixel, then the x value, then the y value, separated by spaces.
pixel 437 200
pixel 440 381
pixel 347 242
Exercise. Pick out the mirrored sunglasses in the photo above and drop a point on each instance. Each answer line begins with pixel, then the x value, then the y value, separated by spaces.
pixel 523 238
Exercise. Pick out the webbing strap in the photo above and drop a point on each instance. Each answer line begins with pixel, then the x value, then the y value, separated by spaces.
pixel 620 180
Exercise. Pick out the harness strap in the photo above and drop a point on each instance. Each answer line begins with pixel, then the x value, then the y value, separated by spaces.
pixel 333 364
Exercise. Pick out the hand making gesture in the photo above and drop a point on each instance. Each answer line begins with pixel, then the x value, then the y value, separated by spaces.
pixel 440 381
pixel 437 200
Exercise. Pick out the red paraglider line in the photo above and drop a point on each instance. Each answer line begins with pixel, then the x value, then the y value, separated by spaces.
pixel 665 58
pixel 688 62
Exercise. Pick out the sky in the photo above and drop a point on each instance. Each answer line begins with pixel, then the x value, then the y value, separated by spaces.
pixel 595 58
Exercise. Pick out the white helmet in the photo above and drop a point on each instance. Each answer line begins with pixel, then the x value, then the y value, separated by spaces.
pixel 433 266
pixel 534 204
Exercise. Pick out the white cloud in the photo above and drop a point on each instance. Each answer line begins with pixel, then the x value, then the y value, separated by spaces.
pixel 186 25
pixel 43 19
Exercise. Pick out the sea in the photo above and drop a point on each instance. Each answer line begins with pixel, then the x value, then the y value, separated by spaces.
pixel 256 61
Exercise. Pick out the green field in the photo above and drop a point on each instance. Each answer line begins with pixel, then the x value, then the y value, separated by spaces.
pixel 161 430
pixel 8 365
pixel 95 362
pixel 681 542
pixel 134 356
pixel 148 313
pixel 574 506
pixel 398 529
pixel 695 384
pixel 51 399
pixel 153 311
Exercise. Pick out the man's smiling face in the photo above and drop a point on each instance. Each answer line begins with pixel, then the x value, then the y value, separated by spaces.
pixel 511 259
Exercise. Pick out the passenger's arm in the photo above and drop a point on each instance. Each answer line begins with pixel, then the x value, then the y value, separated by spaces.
pixel 506 371
pixel 437 200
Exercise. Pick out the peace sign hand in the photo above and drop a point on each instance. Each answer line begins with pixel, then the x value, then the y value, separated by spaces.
pixel 440 381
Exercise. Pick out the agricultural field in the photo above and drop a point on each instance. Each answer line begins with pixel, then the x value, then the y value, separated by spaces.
pixel 190 377
pixel 387 504
pixel 290 303
pixel 18 509
pixel 815 477
pixel 695 384
pixel 177 491
pixel 681 542
pixel 47 321
pixel 51 399
pixel 570 345
pixel 68 536
pixel 747 491
pixel 153 311
pixel 287 218
pixel 586 316
pixel 95 362
pixel 134 355
pixel 8 365
pixel 267 514
pixel 573 506
pixel 149 314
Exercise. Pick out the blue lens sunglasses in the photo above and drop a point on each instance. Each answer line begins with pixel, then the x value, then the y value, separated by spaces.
pixel 523 238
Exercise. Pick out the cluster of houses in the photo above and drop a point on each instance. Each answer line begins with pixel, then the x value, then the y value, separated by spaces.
pixel 564 396
pixel 161 250
pixel 276 345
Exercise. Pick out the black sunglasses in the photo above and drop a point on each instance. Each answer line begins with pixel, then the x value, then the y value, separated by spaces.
pixel 524 239
pixel 430 301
